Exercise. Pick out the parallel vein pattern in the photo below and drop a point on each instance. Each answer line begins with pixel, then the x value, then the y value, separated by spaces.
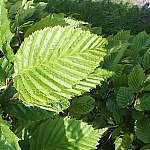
pixel 65 134
pixel 54 64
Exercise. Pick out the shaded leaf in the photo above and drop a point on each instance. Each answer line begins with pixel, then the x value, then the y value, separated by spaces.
pixel 125 96
pixel 8 140
pixel 82 105
pixel 142 130
pixel 136 78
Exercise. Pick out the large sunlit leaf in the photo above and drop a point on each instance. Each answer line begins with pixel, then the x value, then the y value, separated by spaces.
pixel 55 64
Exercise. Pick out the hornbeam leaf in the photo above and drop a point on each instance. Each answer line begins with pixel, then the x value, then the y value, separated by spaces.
pixel 125 96
pixel 136 78
pixel 65 134
pixel 82 136
pixel 55 64
pixel 82 105
pixel 146 60
pixel 54 20
pixel 8 140
pixel 142 130
pixel 5 33
pixel 6 70
pixel 141 41
pixel 143 102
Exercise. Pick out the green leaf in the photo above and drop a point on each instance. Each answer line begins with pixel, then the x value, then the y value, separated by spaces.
pixel 82 105
pixel 54 20
pixel 120 37
pixel 93 79
pixel 118 142
pixel 121 81
pixel 146 60
pixel 114 56
pixel 8 140
pixel 49 21
pixel 6 66
pixel 67 134
pixel 49 134
pixel 26 113
pixel 54 64
pixel 27 11
pixel 7 94
pixel 142 130
pixel 5 33
pixel 146 147
pixel 141 41
pixel 136 78
pixel 2 77
pixel 81 135
pixel 143 102
pixel 6 70
pixel 125 96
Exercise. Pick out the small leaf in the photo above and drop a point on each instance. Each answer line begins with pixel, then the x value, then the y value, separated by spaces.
pixel 7 94
pixel 136 78
pixel 6 70
pixel 143 102
pixel 146 60
pixel 118 143
pixel 125 96
pixel 82 105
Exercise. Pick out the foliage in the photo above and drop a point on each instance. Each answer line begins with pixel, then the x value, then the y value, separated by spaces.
pixel 64 86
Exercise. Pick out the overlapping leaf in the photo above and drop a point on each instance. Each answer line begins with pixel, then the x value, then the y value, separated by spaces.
pixel 143 102
pixel 67 134
pixel 141 41
pixel 136 78
pixel 6 70
pixel 125 96
pixel 54 64
pixel 146 60
pixel 8 140
pixel 5 33
pixel 54 20
pixel 142 130
pixel 82 105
